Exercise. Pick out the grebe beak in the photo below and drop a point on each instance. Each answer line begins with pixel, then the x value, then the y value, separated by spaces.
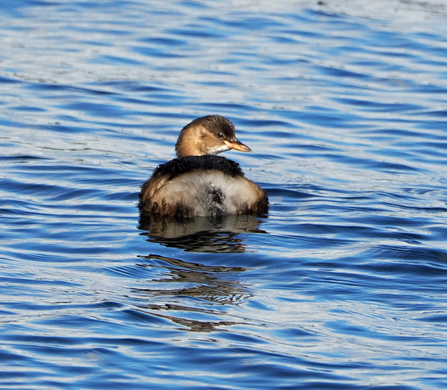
pixel 237 145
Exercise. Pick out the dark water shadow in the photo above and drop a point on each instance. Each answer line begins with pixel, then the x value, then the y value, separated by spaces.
pixel 192 295
pixel 203 234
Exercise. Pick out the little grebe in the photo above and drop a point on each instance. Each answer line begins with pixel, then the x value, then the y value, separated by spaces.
pixel 198 183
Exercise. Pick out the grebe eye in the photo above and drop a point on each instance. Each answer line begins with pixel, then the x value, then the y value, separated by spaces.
pixel 221 135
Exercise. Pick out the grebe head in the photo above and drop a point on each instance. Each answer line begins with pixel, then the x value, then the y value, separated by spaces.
pixel 210 134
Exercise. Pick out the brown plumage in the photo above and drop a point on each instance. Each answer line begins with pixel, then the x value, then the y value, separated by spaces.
pixel 198 183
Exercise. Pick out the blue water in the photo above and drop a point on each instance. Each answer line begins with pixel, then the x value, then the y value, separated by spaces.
pixel 342 286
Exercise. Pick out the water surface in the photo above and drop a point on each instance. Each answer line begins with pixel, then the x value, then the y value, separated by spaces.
pixel 341 286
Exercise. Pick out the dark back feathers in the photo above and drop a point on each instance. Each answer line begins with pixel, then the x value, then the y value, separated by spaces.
pixel 178 166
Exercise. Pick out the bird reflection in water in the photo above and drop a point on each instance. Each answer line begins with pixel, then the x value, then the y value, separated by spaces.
pixel 192 295
pixel 203 234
